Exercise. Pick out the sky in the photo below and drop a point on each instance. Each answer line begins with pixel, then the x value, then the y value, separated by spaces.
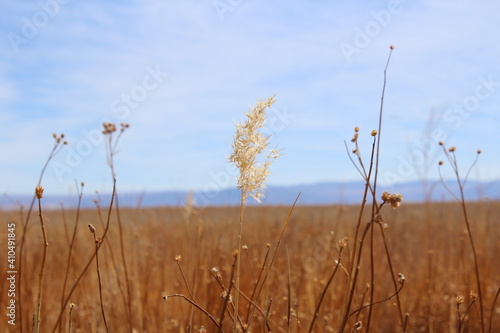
pixel 182 73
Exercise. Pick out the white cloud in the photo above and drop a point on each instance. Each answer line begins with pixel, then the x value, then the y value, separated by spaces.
pixel 67 77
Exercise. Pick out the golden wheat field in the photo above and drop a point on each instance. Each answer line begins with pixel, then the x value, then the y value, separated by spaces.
pixel 187 251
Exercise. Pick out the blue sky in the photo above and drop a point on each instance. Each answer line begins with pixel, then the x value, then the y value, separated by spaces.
pixel 182 72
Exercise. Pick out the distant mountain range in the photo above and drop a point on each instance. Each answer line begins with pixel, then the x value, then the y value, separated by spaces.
pixel 324 193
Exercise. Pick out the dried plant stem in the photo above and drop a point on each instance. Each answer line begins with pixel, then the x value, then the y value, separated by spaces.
pixel 37 318
pixel 323 293
pixel 450 155
pixel 111 150
pixel 266 275
pixel 185 280
pixel 393 276
pixel 58 144
pixel 71 246
pixel 492 311
pixel 238 261
pixel 98 242
pixel 378 302
pixel 89 262
pixel 228 295
pixel 196 305
pixel 356 253
pixel 374 191
pixel 461 319
pixel 71 306
pixel 289 292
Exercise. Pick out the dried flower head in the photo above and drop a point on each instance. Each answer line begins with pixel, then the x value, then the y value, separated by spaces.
pixel 108 128
pixel 391 47
pixel 358 326
pixel 178 258
pixel 39 192
pixel 92 228
pixel 223 295
pixel 452 149
pixel 473 295
pixel 441 162
pixel 459 300
pixel 374 132
pixel 248 145
pixel 401 278
pixel 343 242
pixel 393 199
pixel 479 151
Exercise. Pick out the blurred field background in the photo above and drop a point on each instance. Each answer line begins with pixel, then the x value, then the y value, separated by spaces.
pixel 427 241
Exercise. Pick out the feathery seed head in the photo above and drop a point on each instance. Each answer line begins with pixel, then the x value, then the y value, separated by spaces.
pixel 248 145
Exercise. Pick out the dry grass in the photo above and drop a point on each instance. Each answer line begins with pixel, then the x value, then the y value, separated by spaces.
pixel 429 245
pixel 365 268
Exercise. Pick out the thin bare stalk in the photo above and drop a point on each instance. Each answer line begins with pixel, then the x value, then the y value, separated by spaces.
pixel 289 292
pixel 492 311
pixel 228 295
pixel 285 224
pixel 196 305
pixel 97 243
pixel 450 155
pixel 71 306
pixel 461 318
pixel 378 302
pixel 327 285
pixel 89 262
pixel 111 151
pixel 238 260
pixel 58 144
pixel 178 261
pixel 37 318
pixel 71 245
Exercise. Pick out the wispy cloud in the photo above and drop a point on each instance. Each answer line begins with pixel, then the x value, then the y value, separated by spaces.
pixel 69 75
